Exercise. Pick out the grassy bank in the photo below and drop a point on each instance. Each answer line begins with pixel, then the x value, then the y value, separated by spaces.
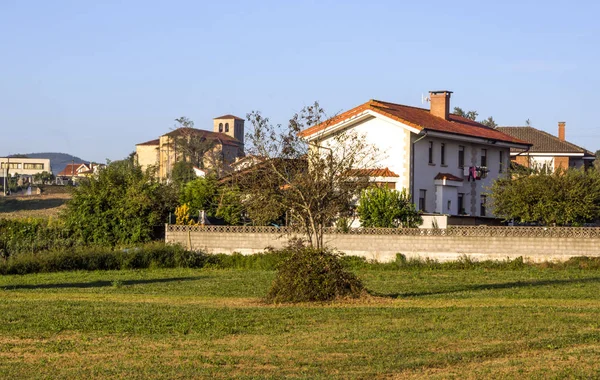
pixel 427 322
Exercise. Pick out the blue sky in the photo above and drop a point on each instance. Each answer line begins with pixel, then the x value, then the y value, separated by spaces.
pixel 93 78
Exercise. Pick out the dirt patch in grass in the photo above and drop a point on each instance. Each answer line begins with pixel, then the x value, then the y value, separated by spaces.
pixel 33 206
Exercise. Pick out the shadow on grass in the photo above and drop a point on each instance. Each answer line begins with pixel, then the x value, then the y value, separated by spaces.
pixel 505 285
pixel 100 284
pixel 11 205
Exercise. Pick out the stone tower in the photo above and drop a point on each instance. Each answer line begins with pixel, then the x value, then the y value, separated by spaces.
pixel 230 125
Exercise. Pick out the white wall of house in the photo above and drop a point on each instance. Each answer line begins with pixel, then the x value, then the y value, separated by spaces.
pixel 395 140
pixel 437 197
pixel 541 161
pixel 393 144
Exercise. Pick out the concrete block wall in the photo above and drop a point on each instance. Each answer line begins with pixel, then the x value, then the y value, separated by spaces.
pixel 385 247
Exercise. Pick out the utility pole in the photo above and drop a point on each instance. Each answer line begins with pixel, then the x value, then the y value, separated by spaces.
pixel 4 177
pixel 6 173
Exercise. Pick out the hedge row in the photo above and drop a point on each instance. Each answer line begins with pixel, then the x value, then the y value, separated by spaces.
pixel 160 255
pixel 152 255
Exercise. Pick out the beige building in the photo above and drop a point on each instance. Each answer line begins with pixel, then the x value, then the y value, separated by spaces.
pixel 226 143
pixel 24 166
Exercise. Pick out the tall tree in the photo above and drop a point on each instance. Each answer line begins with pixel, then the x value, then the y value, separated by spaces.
pixel 472 115
pixel 489 122
pixel 313 183
pixel 193 146
pixel 562 197
pixel 122 205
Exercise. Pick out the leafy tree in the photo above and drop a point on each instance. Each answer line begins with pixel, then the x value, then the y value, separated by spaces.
pixel 562 197
pixel 193 146
pixel 230 208
pixel 383 207
pixel 43 177
pixel 472 115
pixel 122 205
pixel 201 194
pixel 182 173
pixel 313 183
pixel 597 160
pixel 489 122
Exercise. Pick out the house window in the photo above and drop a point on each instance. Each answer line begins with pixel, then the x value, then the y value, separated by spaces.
pixel 484 157
pixel 422 198
pixel 33 166
pixel 431 152
pixel 461 206
pixel 482 205
pixel 461 156
pixel 11 165
pixel 226 127
pixel 501 168
pixel 443 155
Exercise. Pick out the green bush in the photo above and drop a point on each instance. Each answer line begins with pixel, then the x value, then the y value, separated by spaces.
pixel 155 255
pixel 32 235
pixel 386 208
pixel 122 205
pixel 152 255
pixel 309 274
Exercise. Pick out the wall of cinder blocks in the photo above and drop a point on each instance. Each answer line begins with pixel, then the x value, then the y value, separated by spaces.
pixel 385 247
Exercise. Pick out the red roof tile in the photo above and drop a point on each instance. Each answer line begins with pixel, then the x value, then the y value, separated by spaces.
pixel 209 135
pixel 449 177
pixel 420 119
pixel 385 172
pixel 70 169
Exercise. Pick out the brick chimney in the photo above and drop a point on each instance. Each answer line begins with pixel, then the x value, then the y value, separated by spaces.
pixel 440 103
pixel 561 130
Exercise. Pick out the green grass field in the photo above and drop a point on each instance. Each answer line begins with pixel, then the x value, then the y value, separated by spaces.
pixel 184 323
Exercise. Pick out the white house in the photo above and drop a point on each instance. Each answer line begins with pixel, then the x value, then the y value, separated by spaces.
pixel 444 160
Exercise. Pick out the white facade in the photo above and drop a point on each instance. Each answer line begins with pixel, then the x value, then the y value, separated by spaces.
pixel 405 151
pixel 393 142
pixel 442 197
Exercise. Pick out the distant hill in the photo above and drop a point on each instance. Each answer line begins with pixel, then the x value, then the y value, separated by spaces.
pixel 58 161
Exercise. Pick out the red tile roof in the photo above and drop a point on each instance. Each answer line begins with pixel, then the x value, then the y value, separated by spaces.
pixel 449 177
pixel 420 119
pixel 70 169
pixel 151 142
pixel 228 117
pixel 385 172
pixel 209 135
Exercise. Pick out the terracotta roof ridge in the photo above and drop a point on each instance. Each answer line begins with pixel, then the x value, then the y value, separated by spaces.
pixel 401 105
pixel 448 176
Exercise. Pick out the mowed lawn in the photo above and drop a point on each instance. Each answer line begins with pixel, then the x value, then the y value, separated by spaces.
pixel 184 323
